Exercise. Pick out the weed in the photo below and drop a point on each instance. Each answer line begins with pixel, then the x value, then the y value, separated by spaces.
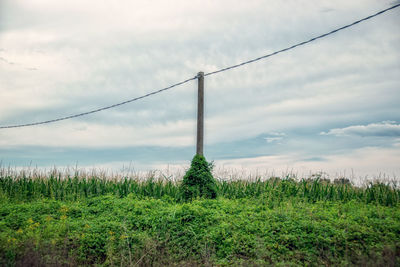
pixel 198 180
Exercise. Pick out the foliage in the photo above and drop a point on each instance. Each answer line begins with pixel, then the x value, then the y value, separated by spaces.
pixel 109 231
pixel 78 188
pixel 51 221
pixel 198 180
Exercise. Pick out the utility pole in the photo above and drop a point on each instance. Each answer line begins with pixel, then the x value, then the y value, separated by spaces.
pixel 200 113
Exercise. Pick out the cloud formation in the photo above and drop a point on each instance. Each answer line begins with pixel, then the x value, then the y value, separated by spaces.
pixel 359 164
pixel 97 53
pixel 381 129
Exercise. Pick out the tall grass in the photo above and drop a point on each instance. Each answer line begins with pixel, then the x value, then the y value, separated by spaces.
pixel 23 186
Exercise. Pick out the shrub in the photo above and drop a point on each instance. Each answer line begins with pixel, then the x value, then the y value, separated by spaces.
pixel 198 180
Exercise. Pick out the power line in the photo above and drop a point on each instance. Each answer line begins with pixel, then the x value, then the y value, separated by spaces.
pixel 206 74
pixel 98 110
pixel 302 43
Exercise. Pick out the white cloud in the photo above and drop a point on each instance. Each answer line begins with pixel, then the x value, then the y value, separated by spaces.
pixel 368 162
pixel 169 134
pixel 274 137
pixel 381 129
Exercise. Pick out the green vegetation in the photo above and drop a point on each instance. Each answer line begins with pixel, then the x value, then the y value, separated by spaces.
pixel 72 221
pixel 66 188
pixel 198 180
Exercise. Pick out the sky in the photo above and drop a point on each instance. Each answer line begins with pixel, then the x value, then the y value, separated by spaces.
pixel 330 106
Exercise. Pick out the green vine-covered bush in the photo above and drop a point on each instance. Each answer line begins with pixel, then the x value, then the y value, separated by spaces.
pixel 198 180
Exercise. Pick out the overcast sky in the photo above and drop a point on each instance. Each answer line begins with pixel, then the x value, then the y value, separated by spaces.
pixel 331 105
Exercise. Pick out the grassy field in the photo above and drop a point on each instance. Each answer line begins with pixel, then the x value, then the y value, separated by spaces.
pixel 86 220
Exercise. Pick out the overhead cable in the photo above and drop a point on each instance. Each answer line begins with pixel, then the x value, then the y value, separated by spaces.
pixel 302 43
pixel 99 109
pixel 206 74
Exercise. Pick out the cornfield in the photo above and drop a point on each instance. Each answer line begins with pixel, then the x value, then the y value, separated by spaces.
pixel 66 187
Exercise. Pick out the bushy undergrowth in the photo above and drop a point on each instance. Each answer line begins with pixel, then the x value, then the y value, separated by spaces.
pixel 90 221
pixel 110 231
pixel 198 180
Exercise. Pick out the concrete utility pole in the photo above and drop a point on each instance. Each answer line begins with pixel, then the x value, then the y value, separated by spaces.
pixel 200 113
